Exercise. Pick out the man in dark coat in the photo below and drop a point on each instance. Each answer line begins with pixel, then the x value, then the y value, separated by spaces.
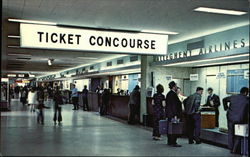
pixel 134 105
pixel 213 100
pixel 85 98
pixel 237 113
pixel 173 110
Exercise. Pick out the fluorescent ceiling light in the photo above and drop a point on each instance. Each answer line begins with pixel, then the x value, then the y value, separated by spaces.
pixel 13 36
pixel 222 63
pixel 31 21
pixel 159 32
pixel 86 58
pixel 18 54
pixel 206 60
pixel 13 46
pixel 219 11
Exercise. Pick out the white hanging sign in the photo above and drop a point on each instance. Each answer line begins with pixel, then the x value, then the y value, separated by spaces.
pixel 55 37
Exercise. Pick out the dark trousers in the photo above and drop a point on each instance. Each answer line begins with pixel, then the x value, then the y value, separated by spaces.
pixel 103 109
pixel 233 141
pixel 134 110
pixel 75 102
pixel 85 104
pixel 194 126
pixel 157 118
pixel 217 113
pixel 58 114
pixel 172 138
pixel 40 116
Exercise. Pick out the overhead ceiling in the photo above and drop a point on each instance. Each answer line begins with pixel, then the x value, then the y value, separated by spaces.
pixel 161 15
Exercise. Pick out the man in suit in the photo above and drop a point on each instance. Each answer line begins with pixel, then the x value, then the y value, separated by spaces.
pixel 237 113
pixel 173 110
pixel 213 100
pixel 192 109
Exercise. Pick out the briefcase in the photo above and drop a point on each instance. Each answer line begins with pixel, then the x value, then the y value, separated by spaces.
pixel 175 128
pixel 163 127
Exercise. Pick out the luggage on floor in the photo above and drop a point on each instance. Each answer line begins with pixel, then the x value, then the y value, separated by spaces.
pixel 163 127
pixel 175 127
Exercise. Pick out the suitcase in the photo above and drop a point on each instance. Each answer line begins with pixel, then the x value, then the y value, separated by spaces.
pixel 175 128
pixel 163 127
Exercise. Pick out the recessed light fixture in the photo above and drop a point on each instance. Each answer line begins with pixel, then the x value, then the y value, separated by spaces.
pixel 158 32
pixel 86 58
pixel 14 36
pixel 222 63
pixel 32 21
pixel 18 54
pixel 13 46
pixel 50 61
pixel 219 11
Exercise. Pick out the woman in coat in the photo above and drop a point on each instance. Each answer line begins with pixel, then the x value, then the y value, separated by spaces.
pixel 158 103
pixel 32 99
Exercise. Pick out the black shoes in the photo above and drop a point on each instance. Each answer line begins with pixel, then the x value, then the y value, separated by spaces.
pixel 176 145
pixel 190 142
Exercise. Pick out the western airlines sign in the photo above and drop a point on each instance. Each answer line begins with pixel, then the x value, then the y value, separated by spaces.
pixel 54 37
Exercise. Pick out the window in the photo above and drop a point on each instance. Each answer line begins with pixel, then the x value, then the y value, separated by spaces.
pixel 120 61
pixel 236 80
pixel 133 58
pixel 109 64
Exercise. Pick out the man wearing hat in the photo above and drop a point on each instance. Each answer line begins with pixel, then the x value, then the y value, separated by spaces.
pixel 173 110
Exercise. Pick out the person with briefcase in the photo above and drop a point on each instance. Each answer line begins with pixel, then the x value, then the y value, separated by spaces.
pixel 158 104
pixel 173 111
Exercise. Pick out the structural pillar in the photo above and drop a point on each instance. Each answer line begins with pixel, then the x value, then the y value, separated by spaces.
pixel 145 83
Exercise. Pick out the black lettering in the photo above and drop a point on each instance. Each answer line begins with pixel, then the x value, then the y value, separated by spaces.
pixel 171 56
pixel 180 54
pixel 47 37
pixel 175 55
pixel 152 44
pixel 100 41
pixel 114 42
pixel 90 40
pixel 108 41
pixel 242 43
pixel 124 44
pixel 146 42
pixel 70 38
pixel 190 52
pixel 220 46
pixel 77 38
pixel 52 37
pixel 132 43
pixel 227 45
pixel 62 38
pixel 201 52
pixel 215 50
pixel 40 36
pixel 210 49
pixel 184 53
pixel 235 43
pixel 139 43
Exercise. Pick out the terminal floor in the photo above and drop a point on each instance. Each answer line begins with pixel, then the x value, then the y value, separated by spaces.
pixel 86 134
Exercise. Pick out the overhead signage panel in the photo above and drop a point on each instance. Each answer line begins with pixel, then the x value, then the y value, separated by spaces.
pixel 54 37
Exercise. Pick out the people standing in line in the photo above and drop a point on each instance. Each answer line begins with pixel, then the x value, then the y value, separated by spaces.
pixel 105 102
pixel 32 99
pixel 158 104
pixel 134 105
pixel 58 99
pixel 173 111
pixel 213 100
pixel 74 96
pixel 17 90
pixel 181 96
pixel 85 98
pixel 237 113
pixel 24 95
pixel 192 110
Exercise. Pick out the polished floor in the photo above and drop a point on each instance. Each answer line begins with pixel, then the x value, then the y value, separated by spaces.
pixel 86 134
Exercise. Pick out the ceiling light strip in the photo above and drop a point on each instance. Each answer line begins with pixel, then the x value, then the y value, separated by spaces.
pixel 220 11
pixel 32 21
pixel 13 36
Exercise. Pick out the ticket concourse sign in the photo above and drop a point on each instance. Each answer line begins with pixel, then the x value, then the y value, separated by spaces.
pixel 54 37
